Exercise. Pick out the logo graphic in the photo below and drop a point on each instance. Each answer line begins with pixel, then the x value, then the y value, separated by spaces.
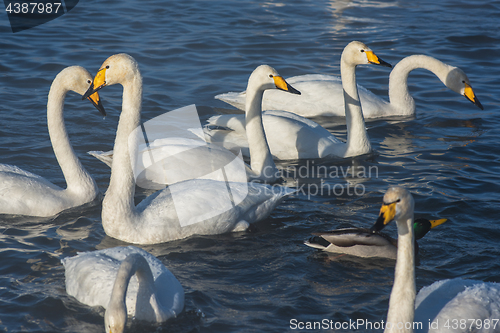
pixel 171 148
pixel 25 14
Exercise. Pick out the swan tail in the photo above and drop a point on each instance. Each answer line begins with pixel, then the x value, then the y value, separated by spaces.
pixel 105 157
pixel 233 98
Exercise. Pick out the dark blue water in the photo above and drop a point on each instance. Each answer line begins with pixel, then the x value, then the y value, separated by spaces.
pixel 189 51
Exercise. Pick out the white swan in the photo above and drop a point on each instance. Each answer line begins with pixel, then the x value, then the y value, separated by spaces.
pixel 293 137
pixel 124 281
pixel 398 205
pixel 322 94
pixel 24 193
pixel 183 209
pixel 362 242
pixel 202 159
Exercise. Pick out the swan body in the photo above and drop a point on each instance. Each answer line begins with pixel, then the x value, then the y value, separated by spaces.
pixel 362 242
pixel 293 137
pixel 321 95
pixel 200 206
pixel 126 281
pixel 25 193
pixel 399 206
pixel 201 160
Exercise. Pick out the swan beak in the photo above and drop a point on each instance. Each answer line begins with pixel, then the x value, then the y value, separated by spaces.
pixel 387 213
pixel 435 223
pixel 283 85
pixel 96 101
pixel 98 83
pixel 373 59
pixel 469 94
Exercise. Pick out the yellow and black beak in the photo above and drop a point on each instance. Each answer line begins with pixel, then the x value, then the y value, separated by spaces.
pixel 469 94
pixel 98 83
pixel 435 223
pixel 283 85
pixel 387 213
pixel 373 59
pixel 96 101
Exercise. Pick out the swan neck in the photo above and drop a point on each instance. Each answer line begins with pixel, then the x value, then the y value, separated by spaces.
pixel 402 301
pixel 261 160
pixel 118 204
pixel 399 95
pixel 78 180
pixel 133 264
pixel 358 142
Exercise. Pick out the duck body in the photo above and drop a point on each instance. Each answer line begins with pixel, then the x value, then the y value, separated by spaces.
pixel 322 94
pixel 25 193
pixel 362 242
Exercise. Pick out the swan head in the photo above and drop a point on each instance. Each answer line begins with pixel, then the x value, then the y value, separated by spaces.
pixel 357 53
pixel 458 81
pixel 265 77
pixel 115 317
pixel 118 68
pixel 78 79
pixel 397 205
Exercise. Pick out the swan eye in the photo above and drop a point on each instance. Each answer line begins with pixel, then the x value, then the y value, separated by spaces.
pixel 270 75
pixel 89 82
pixel 107 67
pixel 399 200
pixel 362 50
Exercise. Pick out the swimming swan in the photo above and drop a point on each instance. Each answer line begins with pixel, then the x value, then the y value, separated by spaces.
pixel 293 137
pixel 24 193
pixel 322 94
pixel 398 205
pixel 124 281
pixel 362 242
pixel 261 168
pixel 183 209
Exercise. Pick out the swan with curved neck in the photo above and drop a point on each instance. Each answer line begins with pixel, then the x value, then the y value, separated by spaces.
pixel 293 137
pixel 183 209
pixel 457 303
pixel 126 281
pixel 322 94
pixel 24 193
pixel 262 166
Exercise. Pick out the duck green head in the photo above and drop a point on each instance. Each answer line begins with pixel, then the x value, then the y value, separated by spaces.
pixel 422 226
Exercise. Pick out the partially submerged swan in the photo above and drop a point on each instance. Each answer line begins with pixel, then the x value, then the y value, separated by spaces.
pixel 126 281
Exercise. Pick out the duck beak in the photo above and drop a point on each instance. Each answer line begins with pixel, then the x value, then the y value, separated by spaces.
pixel 469 94
pixel 96 101
pixel 283 85
pixel 98 83
pixel 435 223
pixel 387 213
pixel 373 59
